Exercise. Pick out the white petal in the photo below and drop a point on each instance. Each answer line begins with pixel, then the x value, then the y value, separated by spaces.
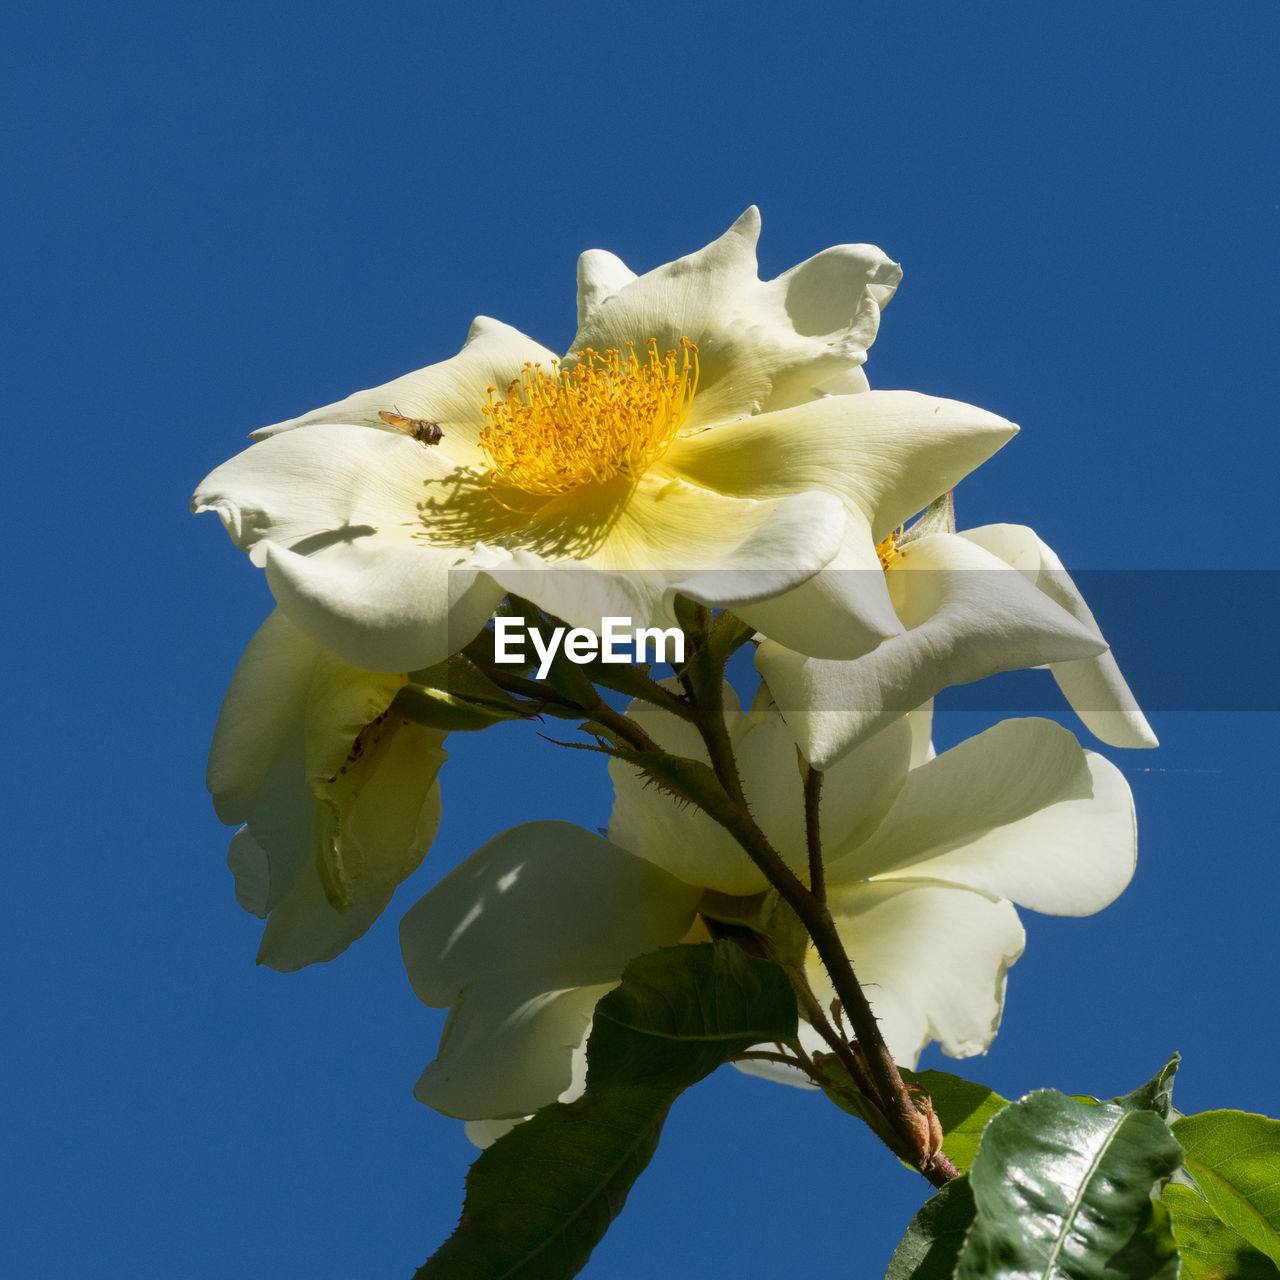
pixel 262 716
pixel 861 788
pixel 484 1133
pixel 932 959
pixel 1069 858
pixel 293 716
pixel 979 798
pixel 761 345
pixel 451 393
pixel 1094 687
pixel 887 453
pixel 600 275
pixel 842 612
pixel 509 938
pixel 834 297
pixel 670 538
pixel 969 616
pixel 383 604
pixel 323 485
pixel 506 1049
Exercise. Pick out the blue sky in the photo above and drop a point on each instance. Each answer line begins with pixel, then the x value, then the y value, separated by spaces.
pixel 220 215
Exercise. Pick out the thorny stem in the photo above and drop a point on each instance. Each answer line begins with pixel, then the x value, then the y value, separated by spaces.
pixel 813 831
pixel 589 703
pixel 702 679
pixel 871 1066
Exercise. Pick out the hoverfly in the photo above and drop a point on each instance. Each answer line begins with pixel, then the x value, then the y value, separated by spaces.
pixel 423 430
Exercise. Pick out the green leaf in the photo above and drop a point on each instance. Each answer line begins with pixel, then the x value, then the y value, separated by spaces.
pixel 932 1244
pixel 541 1198
pixel 1234 1157
pixel 963 1108
pixel 1210 1249
pixel 1156 1095
pixel 1064 1190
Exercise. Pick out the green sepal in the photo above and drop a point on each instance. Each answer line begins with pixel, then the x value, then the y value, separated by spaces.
pixel 541 1198
pixel 938 517
pixel 440 710
pixel 689 780
pixel 751 911
pixel 1234 1157
pixel 727 634
pixel 455 695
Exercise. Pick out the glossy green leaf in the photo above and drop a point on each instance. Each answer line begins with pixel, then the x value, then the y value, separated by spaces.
pixel 1156 1095
pixel 1063 1189
pixel 963 1108
pixel 541 1198
pixel 1234 1157
pixel 1210 1249
pixel 933 1241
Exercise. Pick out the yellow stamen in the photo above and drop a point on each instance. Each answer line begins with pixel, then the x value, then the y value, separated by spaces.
pixel 608 416
pixel 888 550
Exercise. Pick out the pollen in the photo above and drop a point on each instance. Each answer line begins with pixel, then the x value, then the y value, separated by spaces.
pixel 610 415
pixel 889 551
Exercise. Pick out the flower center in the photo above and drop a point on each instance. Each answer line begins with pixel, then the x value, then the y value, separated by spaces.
pixel 608 416
pixel 889 551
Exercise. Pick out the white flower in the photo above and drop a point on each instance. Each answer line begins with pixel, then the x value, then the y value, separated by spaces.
pixel 967 605
pixel 924 858
pixel 522 940
pixel 732 473
pixel 337 793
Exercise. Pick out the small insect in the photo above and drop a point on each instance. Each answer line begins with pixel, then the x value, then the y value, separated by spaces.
pixel 423 430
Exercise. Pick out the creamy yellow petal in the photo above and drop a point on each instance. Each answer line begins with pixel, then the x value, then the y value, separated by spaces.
pixel 886 453
pixel 450 393
pixel 1093 686
pixel 761 343
pixel 933 960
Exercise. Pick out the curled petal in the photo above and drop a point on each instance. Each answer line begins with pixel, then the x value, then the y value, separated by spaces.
pixel 1071 857
pixel 1093 686
pixel 887 453
pixel 762 345
pixel 1020 811
pixel 968 615
pixel 382 603
pixel 841 613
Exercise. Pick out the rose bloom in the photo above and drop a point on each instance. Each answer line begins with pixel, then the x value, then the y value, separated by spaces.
pixel 709 433
pixel 924 856
pixel 337 793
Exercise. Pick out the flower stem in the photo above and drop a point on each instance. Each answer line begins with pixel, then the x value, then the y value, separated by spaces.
pixel 813 831
pixel 702 678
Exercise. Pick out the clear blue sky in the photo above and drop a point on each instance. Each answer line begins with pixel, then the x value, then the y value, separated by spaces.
pixel 220 215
